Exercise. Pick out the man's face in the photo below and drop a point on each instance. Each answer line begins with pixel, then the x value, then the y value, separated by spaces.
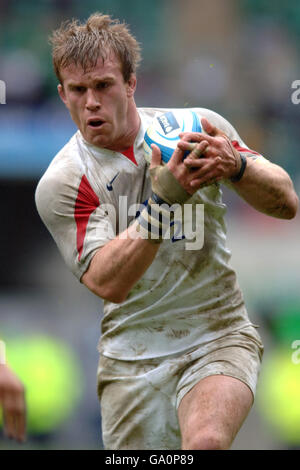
pixel 100 102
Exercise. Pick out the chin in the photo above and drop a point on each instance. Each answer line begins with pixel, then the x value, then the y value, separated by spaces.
pixel 93 139
pixel 99 141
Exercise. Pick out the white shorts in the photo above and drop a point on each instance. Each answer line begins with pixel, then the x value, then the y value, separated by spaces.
pixel 139 399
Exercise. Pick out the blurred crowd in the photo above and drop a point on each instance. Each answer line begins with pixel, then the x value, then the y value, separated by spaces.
pixel 239 58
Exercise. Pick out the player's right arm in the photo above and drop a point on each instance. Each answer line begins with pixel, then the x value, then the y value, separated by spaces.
pixel 116 267
pixel 84 232
pixel 109 265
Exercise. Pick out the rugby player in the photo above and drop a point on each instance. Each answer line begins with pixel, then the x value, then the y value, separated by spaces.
pixel 179 356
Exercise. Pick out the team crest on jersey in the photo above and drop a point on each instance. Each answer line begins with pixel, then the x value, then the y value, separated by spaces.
pixel 168 122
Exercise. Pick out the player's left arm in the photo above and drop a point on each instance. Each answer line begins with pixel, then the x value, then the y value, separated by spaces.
pixel 264 185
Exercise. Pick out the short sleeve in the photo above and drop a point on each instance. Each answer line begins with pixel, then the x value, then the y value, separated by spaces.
pixel 75 217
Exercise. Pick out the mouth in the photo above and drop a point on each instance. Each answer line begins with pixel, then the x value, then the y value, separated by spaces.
pixel 95 123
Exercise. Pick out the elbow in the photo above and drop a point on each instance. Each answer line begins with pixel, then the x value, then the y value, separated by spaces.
pixel 292 207
pixel 110 293
pixel 115 296
pixel 107 291
pixel 286 206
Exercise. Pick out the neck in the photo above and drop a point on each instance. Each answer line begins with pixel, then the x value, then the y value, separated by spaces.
pixel 128 139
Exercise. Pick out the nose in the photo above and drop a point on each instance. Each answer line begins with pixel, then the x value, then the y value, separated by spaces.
pixel 92 100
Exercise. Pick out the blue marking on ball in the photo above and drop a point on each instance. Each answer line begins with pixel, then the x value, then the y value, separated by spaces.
pixel 165 129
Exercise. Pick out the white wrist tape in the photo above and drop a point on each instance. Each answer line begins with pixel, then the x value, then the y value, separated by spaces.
pixel 166 186
pixel 154 221
pixel 2 353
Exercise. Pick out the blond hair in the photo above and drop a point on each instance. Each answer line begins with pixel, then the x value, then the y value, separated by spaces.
pixel 84 43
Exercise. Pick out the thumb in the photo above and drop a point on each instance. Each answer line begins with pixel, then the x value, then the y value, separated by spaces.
pixel 209 128
pixel 156 156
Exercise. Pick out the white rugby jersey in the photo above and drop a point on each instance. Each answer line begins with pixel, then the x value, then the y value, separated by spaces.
pixel 186 297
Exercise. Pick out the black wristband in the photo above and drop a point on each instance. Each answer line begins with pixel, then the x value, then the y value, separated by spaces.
pixel 239 176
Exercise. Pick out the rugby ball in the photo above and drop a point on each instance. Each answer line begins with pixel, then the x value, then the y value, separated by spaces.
pixel 165 129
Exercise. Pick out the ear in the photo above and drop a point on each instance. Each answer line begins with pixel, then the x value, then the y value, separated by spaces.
pixel 61 93
pixel 131 85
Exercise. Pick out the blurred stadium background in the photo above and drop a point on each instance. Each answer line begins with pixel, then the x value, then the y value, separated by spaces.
pixel 237 57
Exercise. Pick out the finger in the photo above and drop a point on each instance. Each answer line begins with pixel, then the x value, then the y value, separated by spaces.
pixel 8 418
pixel 156 156
pixel 14 415
pixel 201 174
pixel 210 129
pixel 20 424
pixel 177 156
pixel 20 418
pixel 212 160
pixel 204 169
pixel 191 136
pixel 196 150
pixel 194 136
pixel 195 163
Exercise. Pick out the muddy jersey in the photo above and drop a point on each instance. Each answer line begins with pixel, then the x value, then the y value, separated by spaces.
pixel 189 295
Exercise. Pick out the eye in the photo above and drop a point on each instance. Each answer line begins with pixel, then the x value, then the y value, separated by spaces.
pixel 102 85
pixel 78 89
